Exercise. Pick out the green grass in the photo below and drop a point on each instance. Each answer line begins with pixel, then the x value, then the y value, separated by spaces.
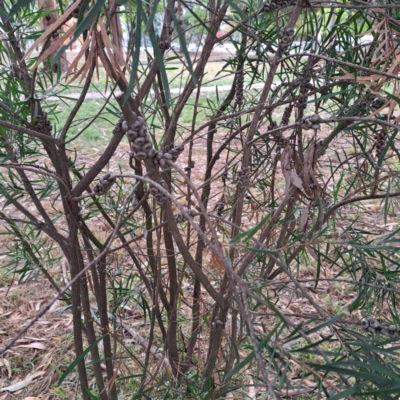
pixel 99 129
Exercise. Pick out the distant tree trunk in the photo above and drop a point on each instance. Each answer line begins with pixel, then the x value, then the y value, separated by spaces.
pixel 117 35
pixel 45 22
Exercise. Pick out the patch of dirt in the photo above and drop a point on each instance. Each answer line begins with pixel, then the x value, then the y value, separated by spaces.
pixel 34 365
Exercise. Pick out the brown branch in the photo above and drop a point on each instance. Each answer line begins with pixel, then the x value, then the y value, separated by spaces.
pixel 30 132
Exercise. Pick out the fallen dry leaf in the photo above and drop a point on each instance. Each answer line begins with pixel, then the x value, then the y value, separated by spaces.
pixel 16 386
pixel 35 375
pixel 34 345
pixel 6 363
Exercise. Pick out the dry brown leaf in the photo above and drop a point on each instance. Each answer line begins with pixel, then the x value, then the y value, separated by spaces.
pixel 35 375
pixel 35 339
pixel 106 66
pixel 22 384
pixel 295 180
pixel 98 73
pixel 46 360
pixel 85 65
pixel 5 363
pixel 55 45
pixel 312 253
pixel 252 390
pixel 304 219
pixel 88 63
pixel 16 386
pixel 215 264
pixel 53 28
pixel 34 345
pixel 107 45
pixel 374 29
pixel 78 57
pixel 285 165
pixel 17 315
pixel 308 169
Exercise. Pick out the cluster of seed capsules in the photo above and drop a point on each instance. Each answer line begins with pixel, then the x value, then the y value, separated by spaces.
pixel 243 177
pixel 373 326
pixel 42 122
pixel 302 97
pixel 104 184
pixel 218 323
pixel 139 139
pixel 239 88
pixel 80 216
pixel 161 157
pixel 279 139
pixel 285 37
pixel 166 44
pixel 380 142
pixel 158 195
pixel 277 5
pixel 220 206
pixel 311 122
pixel 141 144
pixel 320 148
pixel 286 114
pixel 179 217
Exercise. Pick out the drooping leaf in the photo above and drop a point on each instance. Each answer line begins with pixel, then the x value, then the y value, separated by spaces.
pixel 78 359
pixel 136 52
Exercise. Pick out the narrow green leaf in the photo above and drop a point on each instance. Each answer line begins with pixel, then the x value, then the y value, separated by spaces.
pixel 250 233
pixel 248 359
pixel 182 41
pixel 78 359
pixel 161 66
pixel 387 199
pixel 369 376
pixel 18 6
pixel 393 97
pixel 92 396
pixel 306 349
pixel 136 53
pixel 373 365
pixel 276 311
pixel 293 335
pixel 337 187
pixel 124 378
pixel 388 351
pixel 200 21
pixel 324 324
pixel 325 97
pixel 149 23
pixel 381 391
pixel 348 392
pixel 238 9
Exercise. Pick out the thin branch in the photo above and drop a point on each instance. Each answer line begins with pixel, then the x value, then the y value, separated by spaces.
pixel 30 132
